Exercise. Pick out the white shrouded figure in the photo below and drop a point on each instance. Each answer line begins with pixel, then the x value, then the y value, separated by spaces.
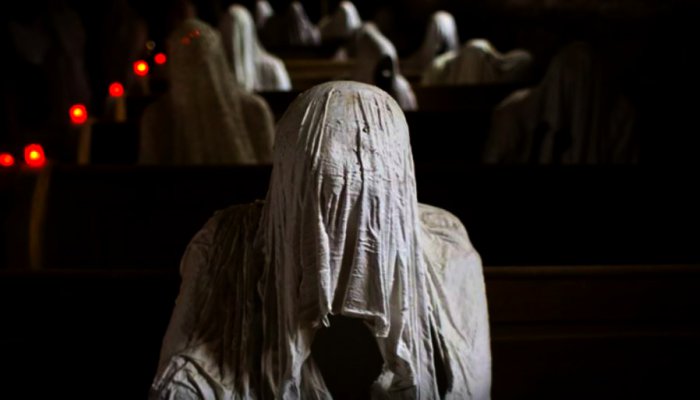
pixel 478 63
pixel 253 67
pixel 340 233
pixel 574 116
pixel 441 37
pixel 377 63
pixel 206 117
pixel 340 25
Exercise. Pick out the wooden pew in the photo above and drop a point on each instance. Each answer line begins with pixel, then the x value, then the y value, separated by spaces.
pixel 306 73
pixel 574 332
pixel 140 216
pixel 124 217
pixel 463 97
pixel 435 136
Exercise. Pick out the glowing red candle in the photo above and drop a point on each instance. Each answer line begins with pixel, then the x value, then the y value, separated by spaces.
pixel 160 59
pixel 116 89
pixel 6 160
pixel 34 156
pixel 78 114
pixel 141 68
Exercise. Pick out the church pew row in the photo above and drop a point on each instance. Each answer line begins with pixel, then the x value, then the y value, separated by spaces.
pixel 479 98
pixel 573 332
pixel 113 217
pixel 435 135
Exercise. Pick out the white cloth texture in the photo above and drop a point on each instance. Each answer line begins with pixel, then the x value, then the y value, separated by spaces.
pixel 341 232
pixel 478 63
pixel 576 115
pixel 205 118
pixel 372 48
pixel 254 68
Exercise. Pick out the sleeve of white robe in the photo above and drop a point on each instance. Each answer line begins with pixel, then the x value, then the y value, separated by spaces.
pixel 261 126
pixel 177 378
pixel 459 307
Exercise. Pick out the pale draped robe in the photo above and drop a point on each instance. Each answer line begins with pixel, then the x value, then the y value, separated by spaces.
pixel 341 233
pixel 290 29
pixel 441 37
pixel 478 63
pixel 205 118
pixel 576 115
pixel 372 47
pixel 254 68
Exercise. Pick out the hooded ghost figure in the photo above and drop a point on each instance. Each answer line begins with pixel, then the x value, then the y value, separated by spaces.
pixel 340 233
pixel 253 67
pixel 340 25
pixel 205 118
pixel 478 63
pixel 575 116
pixel 440 37
pixel 291 29
pixel 376 57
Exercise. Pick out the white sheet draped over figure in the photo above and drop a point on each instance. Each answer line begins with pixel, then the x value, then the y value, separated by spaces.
pixel 340 233
pixel 253 67
pixel 206 117
pixel 441 37
pixel 377 63
pixel 479 63
pixel 341 24
pixel 576 115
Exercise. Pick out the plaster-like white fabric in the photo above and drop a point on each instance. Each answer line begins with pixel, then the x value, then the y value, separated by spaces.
pixel 373 47
pixel 253 67
pixel 574 116
pixel 342 24
pixel 205 118
pixel 340 233
pixel 478 63
pixel 440 37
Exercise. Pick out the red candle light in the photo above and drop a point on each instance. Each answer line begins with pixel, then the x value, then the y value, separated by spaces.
pixel 160 58
pixel 6 160
pixel 141 68
pixel 78 114
pixel 34 156
pixel 116 89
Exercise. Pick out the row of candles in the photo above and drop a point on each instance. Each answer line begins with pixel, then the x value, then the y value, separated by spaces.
pixel 34 156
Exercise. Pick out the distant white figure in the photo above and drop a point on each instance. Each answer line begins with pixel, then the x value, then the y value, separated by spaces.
pixel 341 233
pixel 575 116
pixel 206 117
pixel 479 63
pixel 263 12
pixel 377 63
pixel 341 24
pixel 254 68
pixel 292 29
pixel 440 37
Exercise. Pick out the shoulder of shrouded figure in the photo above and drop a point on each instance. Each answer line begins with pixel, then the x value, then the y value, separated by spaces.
pixel 441 226
pixel 254 106
pixel 237 216
pixel 234 219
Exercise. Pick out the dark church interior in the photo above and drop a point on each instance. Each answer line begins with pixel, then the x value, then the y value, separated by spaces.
pixel 561 133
